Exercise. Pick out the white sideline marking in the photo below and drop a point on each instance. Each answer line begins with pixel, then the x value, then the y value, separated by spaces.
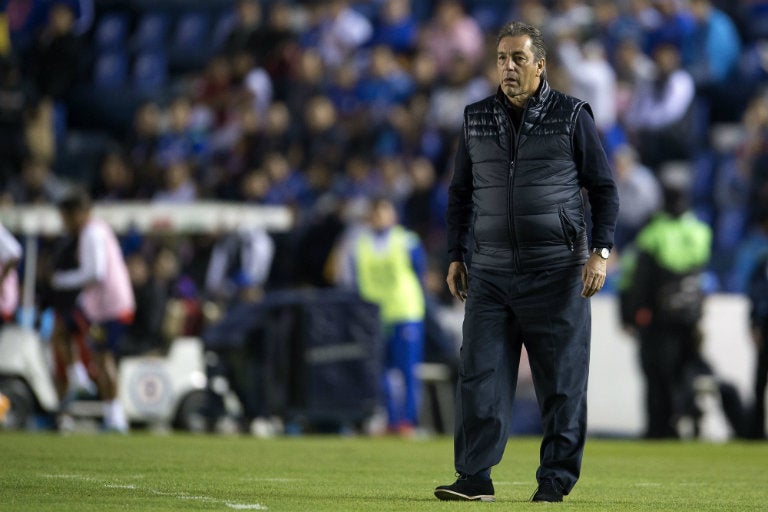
pixel 278 480
pixel 156 492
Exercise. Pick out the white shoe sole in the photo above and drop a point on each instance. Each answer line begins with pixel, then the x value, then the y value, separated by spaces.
pixel 448 495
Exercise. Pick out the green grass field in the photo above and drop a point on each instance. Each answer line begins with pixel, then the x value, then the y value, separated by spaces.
pixel 42 472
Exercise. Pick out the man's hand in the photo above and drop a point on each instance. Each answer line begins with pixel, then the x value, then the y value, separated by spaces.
pixel 593 275
pixel 457 280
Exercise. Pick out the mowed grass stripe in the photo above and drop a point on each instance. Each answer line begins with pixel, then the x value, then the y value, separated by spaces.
pixel 41 472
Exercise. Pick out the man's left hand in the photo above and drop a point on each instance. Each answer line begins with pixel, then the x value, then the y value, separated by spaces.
pixel 593 275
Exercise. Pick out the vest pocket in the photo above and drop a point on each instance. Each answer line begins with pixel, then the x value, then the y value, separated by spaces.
pixel 569 231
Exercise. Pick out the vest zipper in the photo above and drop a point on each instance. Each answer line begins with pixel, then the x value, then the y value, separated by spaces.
pixel 511 183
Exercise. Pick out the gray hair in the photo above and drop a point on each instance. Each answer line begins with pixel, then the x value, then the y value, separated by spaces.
pixel 518 28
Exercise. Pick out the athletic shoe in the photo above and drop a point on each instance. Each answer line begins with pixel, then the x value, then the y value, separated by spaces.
pixel 466 488
pixel 548 491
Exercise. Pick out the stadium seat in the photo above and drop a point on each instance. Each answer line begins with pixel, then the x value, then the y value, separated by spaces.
pixel 151 31
pixel 110 69
pixel 111 32
pixel 190 45
pixel 221 29
pixel 192 31
pixel 150 71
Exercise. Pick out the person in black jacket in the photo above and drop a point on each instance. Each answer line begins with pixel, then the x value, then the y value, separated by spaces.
pixel 663 302
pixel 525 155
pixel 758 298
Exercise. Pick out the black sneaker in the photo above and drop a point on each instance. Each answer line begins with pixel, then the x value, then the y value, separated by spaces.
pixel 466 488
pixel 548 491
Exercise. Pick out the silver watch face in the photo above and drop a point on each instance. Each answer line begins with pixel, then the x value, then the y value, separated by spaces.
pixel 604 252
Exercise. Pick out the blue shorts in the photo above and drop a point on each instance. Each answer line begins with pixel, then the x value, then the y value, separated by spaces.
pixel 105 336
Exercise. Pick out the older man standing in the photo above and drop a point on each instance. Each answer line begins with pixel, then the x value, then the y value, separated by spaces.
pixel 525 155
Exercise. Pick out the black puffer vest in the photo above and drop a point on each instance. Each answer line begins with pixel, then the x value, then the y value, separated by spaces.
pixel 528 209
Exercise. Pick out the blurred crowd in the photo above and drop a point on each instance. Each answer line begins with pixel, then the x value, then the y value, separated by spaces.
pixel 324 107
pixel 320 106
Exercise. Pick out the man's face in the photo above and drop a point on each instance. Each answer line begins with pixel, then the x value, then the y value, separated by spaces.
pixel 519 71
pixel 383 216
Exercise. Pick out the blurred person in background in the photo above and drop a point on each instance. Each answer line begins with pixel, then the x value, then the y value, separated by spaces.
pixel 106 300
pixel 383 84
pixel 591 78
pixel 386 263
pixel 178 185
pixel 714 64
pixel 247 32
pixel 569 16
pixel 418 208
pixel 660 116
pixel 632 67
pixel 16 102
pixel 360 180
pixel 614 25
pixel 280 56
pixel 451 34
pixel 287 186
pixel 317 237
pixel 639 193
pixel 253 81
pixel 664 301
pixel 5 35
pixel 10 255
pixel 55 59
pixel 322 136
pixel 460 86
pixel 396 184
pixel 278 134
pixel 37 184
pixel 753 160
pixel 668 22
pixel 239 266
pixel 145 334
pixel 396 27
pixel 757 291
pixel 341 32
pixel 142 145
pixel 307 82
pixel 178 267
pixel 74 374
pixel 185 138
pixel 215 88
pixel 115 180
pixel 56 64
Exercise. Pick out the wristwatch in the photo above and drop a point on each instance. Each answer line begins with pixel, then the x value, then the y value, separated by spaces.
pixel 603 252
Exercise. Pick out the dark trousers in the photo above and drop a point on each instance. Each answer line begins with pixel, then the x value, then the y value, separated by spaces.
pixel 664 353
pixel 545 312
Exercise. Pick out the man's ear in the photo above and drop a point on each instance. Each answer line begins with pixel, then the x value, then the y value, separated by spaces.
pixel 540 67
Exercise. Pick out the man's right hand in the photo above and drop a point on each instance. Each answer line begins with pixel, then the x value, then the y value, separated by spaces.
pixel 457 280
